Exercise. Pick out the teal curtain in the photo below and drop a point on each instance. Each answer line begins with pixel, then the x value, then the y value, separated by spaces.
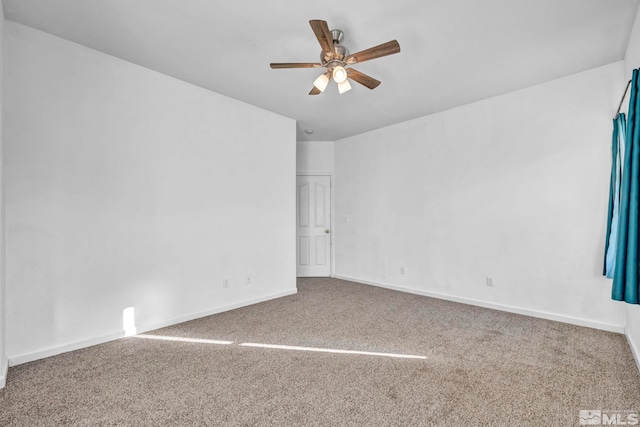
pixel 626 283
pixel 617 157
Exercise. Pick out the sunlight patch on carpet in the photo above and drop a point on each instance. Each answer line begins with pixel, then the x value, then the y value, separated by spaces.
pixel 182 339
pixel 280 347
pixel 331 350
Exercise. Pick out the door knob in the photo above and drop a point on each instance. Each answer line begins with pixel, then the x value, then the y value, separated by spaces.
pixel 326 231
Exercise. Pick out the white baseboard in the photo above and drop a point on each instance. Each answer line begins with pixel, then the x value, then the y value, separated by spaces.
pixel 4 369
pixel 53 351
pixel 495 306
pixel 635 350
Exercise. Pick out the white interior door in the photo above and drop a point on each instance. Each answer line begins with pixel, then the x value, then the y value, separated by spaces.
pixel 313 219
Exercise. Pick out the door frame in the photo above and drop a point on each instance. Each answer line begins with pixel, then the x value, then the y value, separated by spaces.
pixel 332 270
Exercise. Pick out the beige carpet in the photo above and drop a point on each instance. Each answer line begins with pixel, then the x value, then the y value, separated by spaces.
pixel 481 368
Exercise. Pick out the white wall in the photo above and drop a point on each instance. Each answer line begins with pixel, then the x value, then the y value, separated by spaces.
pixel 3 352
pixel 125 188
pixel 514 187
pixel 632 61
pixel 632 57
pixel 315 156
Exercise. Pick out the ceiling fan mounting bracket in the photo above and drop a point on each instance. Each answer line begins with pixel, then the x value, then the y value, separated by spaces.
pixel 337 36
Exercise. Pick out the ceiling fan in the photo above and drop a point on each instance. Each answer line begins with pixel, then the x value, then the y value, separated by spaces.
pixel 337 60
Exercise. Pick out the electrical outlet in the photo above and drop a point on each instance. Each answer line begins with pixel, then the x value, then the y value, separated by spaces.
pixel 247 280
pixel 225 283
pixel 489 281
pixel 403 270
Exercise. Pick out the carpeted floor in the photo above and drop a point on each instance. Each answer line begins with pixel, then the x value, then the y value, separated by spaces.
pixel 479 368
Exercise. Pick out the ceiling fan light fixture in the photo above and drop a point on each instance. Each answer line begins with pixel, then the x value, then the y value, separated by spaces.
pixel 344 86
pixel 321 82
pixel 339 74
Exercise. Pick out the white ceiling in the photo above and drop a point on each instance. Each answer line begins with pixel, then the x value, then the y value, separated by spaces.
pixel 453 51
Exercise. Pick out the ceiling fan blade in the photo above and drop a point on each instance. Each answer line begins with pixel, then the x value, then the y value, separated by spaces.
pixel 315 91
pixel 384 49
pixel 363 79
pixel 321 30
pixel 295 65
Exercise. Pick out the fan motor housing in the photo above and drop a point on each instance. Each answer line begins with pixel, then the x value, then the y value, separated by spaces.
pixel 339 52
